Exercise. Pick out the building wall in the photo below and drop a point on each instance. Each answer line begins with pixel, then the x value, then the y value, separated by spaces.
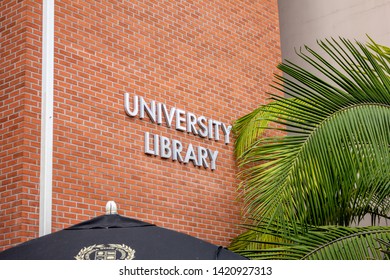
pixel 19 120
pixel 210 58
pixel 305 21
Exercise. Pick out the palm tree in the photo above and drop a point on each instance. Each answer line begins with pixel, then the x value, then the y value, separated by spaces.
pixel 332 166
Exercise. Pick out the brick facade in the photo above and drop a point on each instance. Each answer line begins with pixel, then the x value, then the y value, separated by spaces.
pixel 211 58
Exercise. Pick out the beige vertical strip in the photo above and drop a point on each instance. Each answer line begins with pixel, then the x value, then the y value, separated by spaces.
pixel 45 207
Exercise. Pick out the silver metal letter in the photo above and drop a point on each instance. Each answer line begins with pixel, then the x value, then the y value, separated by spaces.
pixel 226 132
pixel 168 117
pixel 147 148
pixel 190 155
pixel 127 105
pixel 180 119
pixel 156 145
pixel 150 111
pixel 213 158
pixel 191 121
pixel 202 156
pixel 159 113
pixel 210 129
pixel 202 123
pixel 177 147
pixel 216 131
pixel 165 149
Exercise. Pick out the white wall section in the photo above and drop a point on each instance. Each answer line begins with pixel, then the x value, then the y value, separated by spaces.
pixel 302 22
pixel 45 207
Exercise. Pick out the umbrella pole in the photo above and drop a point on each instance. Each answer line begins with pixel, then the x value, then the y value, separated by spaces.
pixel 111 208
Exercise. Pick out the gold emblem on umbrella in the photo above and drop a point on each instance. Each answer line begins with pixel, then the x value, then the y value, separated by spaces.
pixel 106 252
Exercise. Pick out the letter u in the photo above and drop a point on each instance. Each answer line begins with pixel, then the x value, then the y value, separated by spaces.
pixel 127 105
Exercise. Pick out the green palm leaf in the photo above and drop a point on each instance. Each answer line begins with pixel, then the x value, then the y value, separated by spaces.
pixel 335 165
pixel 251 126
pixel 383 54
pixel 315 243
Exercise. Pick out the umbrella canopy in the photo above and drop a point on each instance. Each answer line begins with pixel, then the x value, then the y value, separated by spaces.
pixel 116 237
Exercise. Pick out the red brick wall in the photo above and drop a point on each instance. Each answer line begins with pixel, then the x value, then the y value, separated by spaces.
pixel 211 58
pixel 19 120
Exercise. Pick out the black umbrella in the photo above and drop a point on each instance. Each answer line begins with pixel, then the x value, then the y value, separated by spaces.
pixel 116 237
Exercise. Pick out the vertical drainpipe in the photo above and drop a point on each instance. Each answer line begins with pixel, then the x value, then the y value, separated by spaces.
pixel 45 202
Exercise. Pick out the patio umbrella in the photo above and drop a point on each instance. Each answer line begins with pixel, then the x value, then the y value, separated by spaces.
pixel 115 237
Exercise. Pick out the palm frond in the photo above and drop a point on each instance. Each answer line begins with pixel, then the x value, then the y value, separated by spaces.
pixel 383 54
pixel 315 243
pixel 335 165
pixel 386 245
pixel 251 126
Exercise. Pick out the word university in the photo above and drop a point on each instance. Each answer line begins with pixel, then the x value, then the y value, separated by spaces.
pixel 181 120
